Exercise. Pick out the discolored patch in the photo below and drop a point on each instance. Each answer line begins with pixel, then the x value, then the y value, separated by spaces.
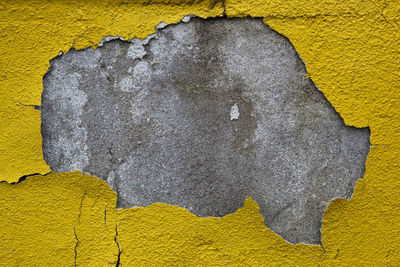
pixel 202 115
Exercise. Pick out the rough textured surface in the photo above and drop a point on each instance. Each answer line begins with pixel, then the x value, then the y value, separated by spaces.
pixel 78 223
pixel 203 115
pixel 351 51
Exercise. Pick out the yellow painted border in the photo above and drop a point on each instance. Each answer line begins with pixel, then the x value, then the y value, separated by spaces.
pixel 351 49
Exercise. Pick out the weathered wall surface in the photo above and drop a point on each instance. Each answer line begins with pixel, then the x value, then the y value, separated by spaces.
pixel 351 52
pixel 203 114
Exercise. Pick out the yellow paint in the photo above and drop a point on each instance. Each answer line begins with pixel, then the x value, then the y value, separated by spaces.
pixel 38 218
pixel 351 49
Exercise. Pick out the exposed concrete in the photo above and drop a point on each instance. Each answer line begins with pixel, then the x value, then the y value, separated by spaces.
pixel 202 115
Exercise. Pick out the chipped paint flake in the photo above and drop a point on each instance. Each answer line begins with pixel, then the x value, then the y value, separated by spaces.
pixel 234 112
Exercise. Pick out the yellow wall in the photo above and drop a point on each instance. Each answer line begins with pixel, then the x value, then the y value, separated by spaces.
pixel 352 52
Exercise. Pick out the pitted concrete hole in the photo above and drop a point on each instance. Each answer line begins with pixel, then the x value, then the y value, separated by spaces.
pixel 202 115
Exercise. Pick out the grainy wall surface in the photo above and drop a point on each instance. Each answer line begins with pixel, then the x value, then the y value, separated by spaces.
pixel 351 51
pixel 202 115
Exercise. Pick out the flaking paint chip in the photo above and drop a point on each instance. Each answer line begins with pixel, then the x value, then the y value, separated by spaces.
pixel 234 112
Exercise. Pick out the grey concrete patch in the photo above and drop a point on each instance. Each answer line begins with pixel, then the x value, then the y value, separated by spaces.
pixel 202 115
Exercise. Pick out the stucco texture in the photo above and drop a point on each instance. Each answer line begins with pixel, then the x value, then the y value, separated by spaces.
pixel 351 49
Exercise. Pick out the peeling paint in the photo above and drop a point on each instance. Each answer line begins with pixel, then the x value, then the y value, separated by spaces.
pixel 351 52
pixel 157 124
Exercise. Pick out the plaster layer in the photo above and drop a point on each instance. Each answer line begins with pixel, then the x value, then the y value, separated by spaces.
pixel 203 115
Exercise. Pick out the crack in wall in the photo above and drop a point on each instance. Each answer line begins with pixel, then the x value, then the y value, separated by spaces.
pixel 118 262
pixel 24 177
pixel 36 107
pixel 76 246
pixel 385 4
pixel 80 206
